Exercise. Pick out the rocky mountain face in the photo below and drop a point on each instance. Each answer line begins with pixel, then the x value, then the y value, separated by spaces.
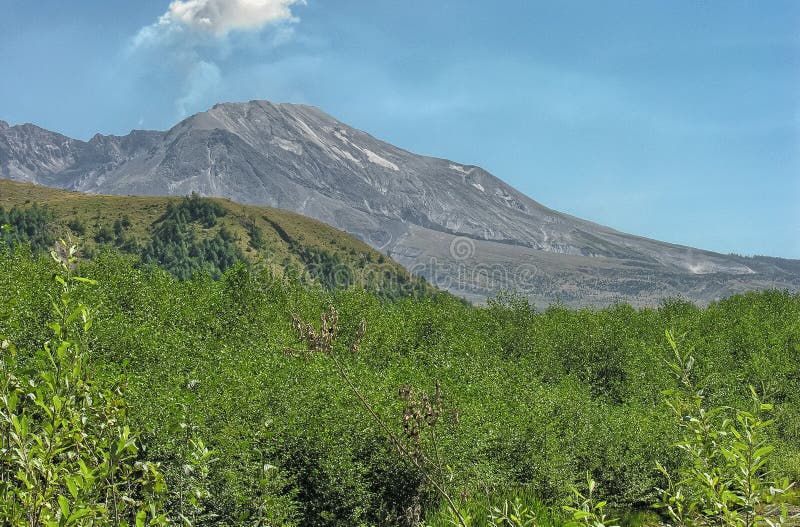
pixel 457 225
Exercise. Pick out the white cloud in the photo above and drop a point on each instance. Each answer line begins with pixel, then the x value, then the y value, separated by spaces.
pixel 219 17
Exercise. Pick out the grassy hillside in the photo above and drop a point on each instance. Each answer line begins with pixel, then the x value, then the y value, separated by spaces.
pixel 282 242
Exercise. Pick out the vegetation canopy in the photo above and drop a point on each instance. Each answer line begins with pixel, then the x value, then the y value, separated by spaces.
pixel 133 397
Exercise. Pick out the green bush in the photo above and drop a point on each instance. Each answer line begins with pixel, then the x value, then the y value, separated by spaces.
pixel 67 453
pixel 27 225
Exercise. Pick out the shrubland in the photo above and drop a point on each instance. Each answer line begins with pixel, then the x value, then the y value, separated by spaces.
pixel 234 419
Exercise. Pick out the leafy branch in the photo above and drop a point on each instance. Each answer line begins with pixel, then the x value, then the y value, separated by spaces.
pixel 727 481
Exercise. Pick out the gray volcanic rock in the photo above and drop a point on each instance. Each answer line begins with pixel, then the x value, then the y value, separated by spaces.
pixel 458 225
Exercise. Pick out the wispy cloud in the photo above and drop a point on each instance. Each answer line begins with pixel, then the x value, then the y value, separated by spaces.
pixel 202 81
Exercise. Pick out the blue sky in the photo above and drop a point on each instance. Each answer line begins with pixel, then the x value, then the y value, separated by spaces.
pixel 675 119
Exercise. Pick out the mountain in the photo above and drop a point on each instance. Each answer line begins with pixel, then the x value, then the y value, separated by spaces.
pixel 457 225
pixel 184 235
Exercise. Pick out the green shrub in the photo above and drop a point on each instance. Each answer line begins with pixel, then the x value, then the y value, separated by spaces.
pixel 67 453
pixel 726 481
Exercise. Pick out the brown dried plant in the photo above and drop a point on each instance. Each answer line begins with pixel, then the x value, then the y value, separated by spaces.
pixel 421 414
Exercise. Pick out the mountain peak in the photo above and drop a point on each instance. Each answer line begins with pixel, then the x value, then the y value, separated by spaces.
pixel 3 125
pixel 262 123
pixel 263 105
pixel 254 102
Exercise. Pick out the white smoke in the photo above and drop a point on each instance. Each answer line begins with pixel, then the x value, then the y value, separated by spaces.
pixel 201 81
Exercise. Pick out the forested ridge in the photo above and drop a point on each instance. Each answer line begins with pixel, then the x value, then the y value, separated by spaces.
pixel 194 234
pixel 245 409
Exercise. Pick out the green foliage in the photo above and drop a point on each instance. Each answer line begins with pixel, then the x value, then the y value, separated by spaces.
pixel 76 226
pixel 726 481
pixel 255 234
pixel 641 518
pixel 515 508
pixel 514 514
pixel 586 510
pixel 27 225
pixel 194 209
pixel 177 247
pixel 324 267
pixel 67 454
pixel 194 490
pixel 104 235
pixel 274 499
pixel 420 411
pixel 530 401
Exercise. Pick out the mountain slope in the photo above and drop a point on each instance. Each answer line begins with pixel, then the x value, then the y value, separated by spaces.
pixel 457 225
pixel 278 240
